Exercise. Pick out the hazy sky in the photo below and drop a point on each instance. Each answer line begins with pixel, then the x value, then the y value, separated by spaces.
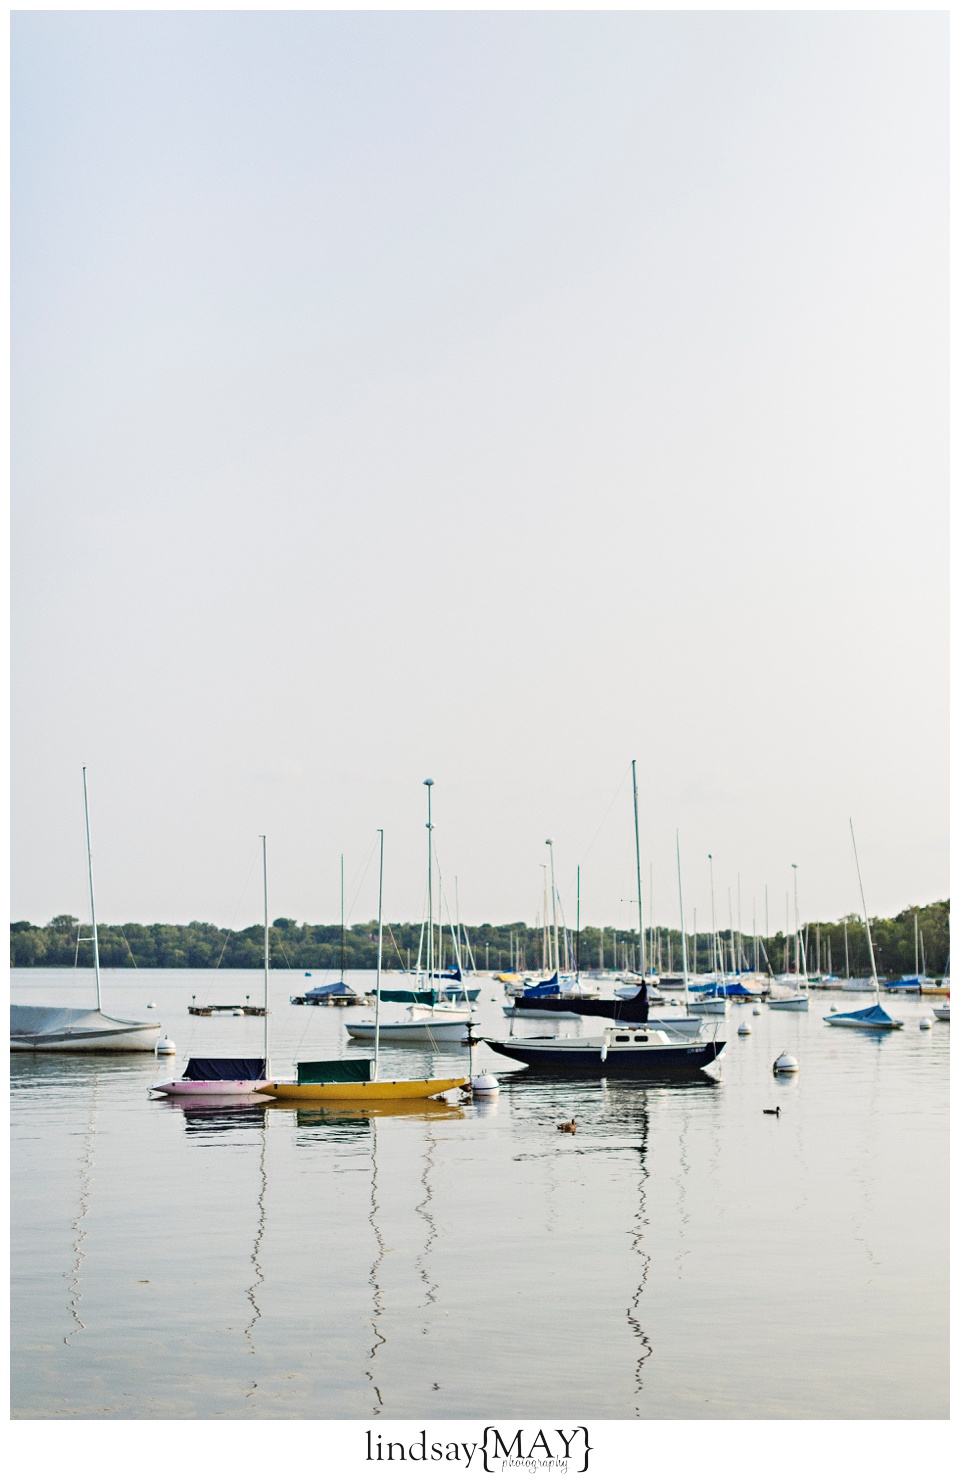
pixel 492 397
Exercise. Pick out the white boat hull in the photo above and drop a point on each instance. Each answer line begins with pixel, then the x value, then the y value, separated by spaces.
pixel 78 1032
pixel 412 1032
pixel 840 1021
pixel 799 1005
pixel 942 1011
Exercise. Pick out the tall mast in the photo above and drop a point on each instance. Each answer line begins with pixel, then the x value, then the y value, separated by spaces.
pixel 866 922
pixel 376 1022
pixel 577 949
pixel 916 945
pixel 341 918
pixel 553 893
pixel 846 951
pixel 683 934
pixel 544 935
pixel 428 784
pixel 713 921
pixel 266 965
pixel 796 920
pixel 93 913
pixel 636 840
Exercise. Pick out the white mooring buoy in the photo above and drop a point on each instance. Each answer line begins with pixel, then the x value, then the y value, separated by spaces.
pixel 744 1029
pixel 834 1009
pixel 925 1024
pixel 166 1047
pixel 238 1013
pixel 151 1005
pixel 756 1012
pixel 485 1084
pixel 785 1064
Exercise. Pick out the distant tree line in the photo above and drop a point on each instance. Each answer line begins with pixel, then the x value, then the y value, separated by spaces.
pixel 65 942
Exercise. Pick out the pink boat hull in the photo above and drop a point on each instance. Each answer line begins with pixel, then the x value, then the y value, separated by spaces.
pixel 210 1088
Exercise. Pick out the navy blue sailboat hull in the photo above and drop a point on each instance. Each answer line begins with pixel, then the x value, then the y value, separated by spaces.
pixel 681 1059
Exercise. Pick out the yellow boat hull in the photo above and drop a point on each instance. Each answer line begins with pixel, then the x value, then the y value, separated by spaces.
pixel 367 1093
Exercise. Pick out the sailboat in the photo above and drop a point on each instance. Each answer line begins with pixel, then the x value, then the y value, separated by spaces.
pixel 876 1016
pixel 431 989
pixel 633 1010
pixel 355 1080
pixel 80 1030
pixel 339 994
pixel 234 1076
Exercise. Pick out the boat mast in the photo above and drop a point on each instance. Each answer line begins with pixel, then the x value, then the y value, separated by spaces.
pixel 577 948
pixel 866 922
pixel 796 915
pixel 376 1022
pixel 713 923
pixel 916 946
pixel 683 934
pixel 636 840
pixel 341 918
pixel 428 784
pixel 545 935
pixel 93 913
pixel 846 951
pixel 266 966
pixel 553 893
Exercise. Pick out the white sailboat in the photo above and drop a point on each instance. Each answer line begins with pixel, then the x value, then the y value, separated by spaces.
pixel 876 1016
pixel 80 1030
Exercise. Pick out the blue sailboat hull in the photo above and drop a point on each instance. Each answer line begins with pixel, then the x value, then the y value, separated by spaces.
pixel 681 1059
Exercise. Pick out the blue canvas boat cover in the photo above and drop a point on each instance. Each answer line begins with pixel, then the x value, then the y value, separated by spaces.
pixel 543 990
pixel 225 1070
pixel 453 972
pixel 875 1014
pixel 333 990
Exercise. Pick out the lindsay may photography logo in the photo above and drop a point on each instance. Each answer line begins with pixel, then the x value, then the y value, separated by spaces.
pixel 546 1451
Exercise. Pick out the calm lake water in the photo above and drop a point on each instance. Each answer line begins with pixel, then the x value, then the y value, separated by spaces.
pixel 684 1256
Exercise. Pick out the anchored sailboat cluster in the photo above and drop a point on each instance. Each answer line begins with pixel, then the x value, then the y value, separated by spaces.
pixel 436 1010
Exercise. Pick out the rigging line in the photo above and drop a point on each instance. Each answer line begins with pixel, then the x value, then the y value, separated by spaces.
pixel 394 941
pixel 366 865
pixel 607 814
pixel 127 945
pixel 236 911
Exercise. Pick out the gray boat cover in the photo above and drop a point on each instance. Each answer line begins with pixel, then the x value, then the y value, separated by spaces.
pixel 28 1022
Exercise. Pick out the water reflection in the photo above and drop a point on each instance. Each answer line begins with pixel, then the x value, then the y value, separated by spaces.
pixel 77 1224
pixel 213 1116
pixel 423 1209
pixel 645 1347
pixel 346 1121
pixel 258 1276
pixel 379 1338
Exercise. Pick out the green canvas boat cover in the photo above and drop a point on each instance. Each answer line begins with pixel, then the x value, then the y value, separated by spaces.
pixel 310 1072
